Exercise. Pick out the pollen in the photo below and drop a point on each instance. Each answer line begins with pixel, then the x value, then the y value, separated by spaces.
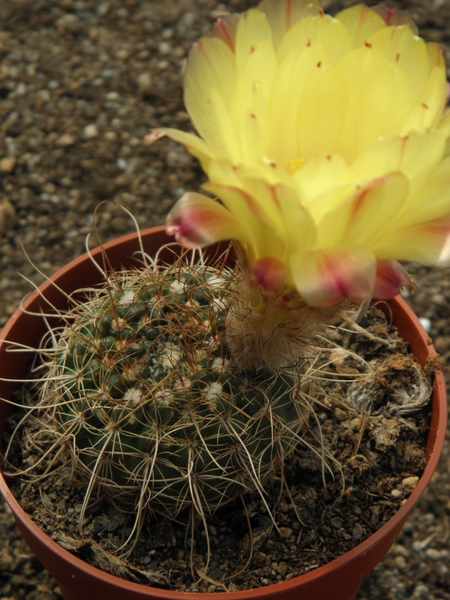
pixel 296 163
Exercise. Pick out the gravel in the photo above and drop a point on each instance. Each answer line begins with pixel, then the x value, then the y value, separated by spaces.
pixel 81 82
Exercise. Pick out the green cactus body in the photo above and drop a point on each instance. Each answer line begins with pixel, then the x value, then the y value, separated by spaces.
pixel 142 384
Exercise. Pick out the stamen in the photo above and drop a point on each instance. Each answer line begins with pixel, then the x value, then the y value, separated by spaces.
pixel 296 163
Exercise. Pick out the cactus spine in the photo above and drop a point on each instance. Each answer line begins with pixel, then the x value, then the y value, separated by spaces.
pixel 142 387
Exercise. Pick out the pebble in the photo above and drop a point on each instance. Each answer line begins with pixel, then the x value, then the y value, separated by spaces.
pixel 285 532
pixel 111 136
pixel 438 299
pixel 103 9
pixel 21 89
pixel 441 343
pixel 90 131
pixel 340 414
pixel 355 424
pixel 420 591
pixel 426 323
pixel 69 23
pixel 400 561
pixel 282 568
pixel 7 215
pixel 119 224
pixel 165 48
pixel 144 83
pixel 357 531
pixel 337 523
pixel 215 573
pixel 420 545
pixel 436 554
pixel 7 164
pixel 409 483
pixel 400 549
pixel 66 140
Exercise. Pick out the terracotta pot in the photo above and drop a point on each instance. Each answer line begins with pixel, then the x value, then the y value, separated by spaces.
pixel 339 579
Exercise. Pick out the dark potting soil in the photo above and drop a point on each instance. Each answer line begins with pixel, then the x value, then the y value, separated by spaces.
pixel 320 512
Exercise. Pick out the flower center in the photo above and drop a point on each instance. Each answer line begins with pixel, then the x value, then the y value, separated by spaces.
pixel 296 163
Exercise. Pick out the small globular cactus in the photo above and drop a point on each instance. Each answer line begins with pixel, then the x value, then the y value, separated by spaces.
pixel 159 417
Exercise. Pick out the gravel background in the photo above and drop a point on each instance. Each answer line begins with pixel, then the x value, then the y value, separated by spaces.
pixel 81 82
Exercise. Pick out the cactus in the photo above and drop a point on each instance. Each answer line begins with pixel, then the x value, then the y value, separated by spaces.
pixel 140 384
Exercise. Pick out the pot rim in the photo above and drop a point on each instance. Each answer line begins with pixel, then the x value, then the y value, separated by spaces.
pixel 439 409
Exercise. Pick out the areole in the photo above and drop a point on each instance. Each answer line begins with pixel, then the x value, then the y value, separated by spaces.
pixel 339 579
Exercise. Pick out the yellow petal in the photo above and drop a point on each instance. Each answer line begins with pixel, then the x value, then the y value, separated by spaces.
pixel 211 64
pixel 249 106
pixel 291 220
pixel 284 14
pixel 356 103
pixel 444 125
pixel 223 172
pixel 414 155
pixel 426 243
pixel 362 216
pixel 323 182
pixel 390 277
pixel 270 274
pixel 361 22
pixel 195 145
pixel 428 110
pixel 223 138
pixel 409 52
pixel 435 55
pixel 430 202
pixel 253 29
pixel 326 277
pixel 289 83
pixel 225 29
pixel 263 230
pixel 322 29
pixel 300 229
pixel 383 103
pixel 244 203
pixel 357 68
pixel 392 16
pixel 208 88
pixel 322 112
pixel 197 221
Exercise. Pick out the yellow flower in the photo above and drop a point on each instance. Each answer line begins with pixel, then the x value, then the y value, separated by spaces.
pixel 325 140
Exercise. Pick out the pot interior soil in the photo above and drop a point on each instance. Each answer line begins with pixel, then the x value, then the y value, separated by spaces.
pixel 365 420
